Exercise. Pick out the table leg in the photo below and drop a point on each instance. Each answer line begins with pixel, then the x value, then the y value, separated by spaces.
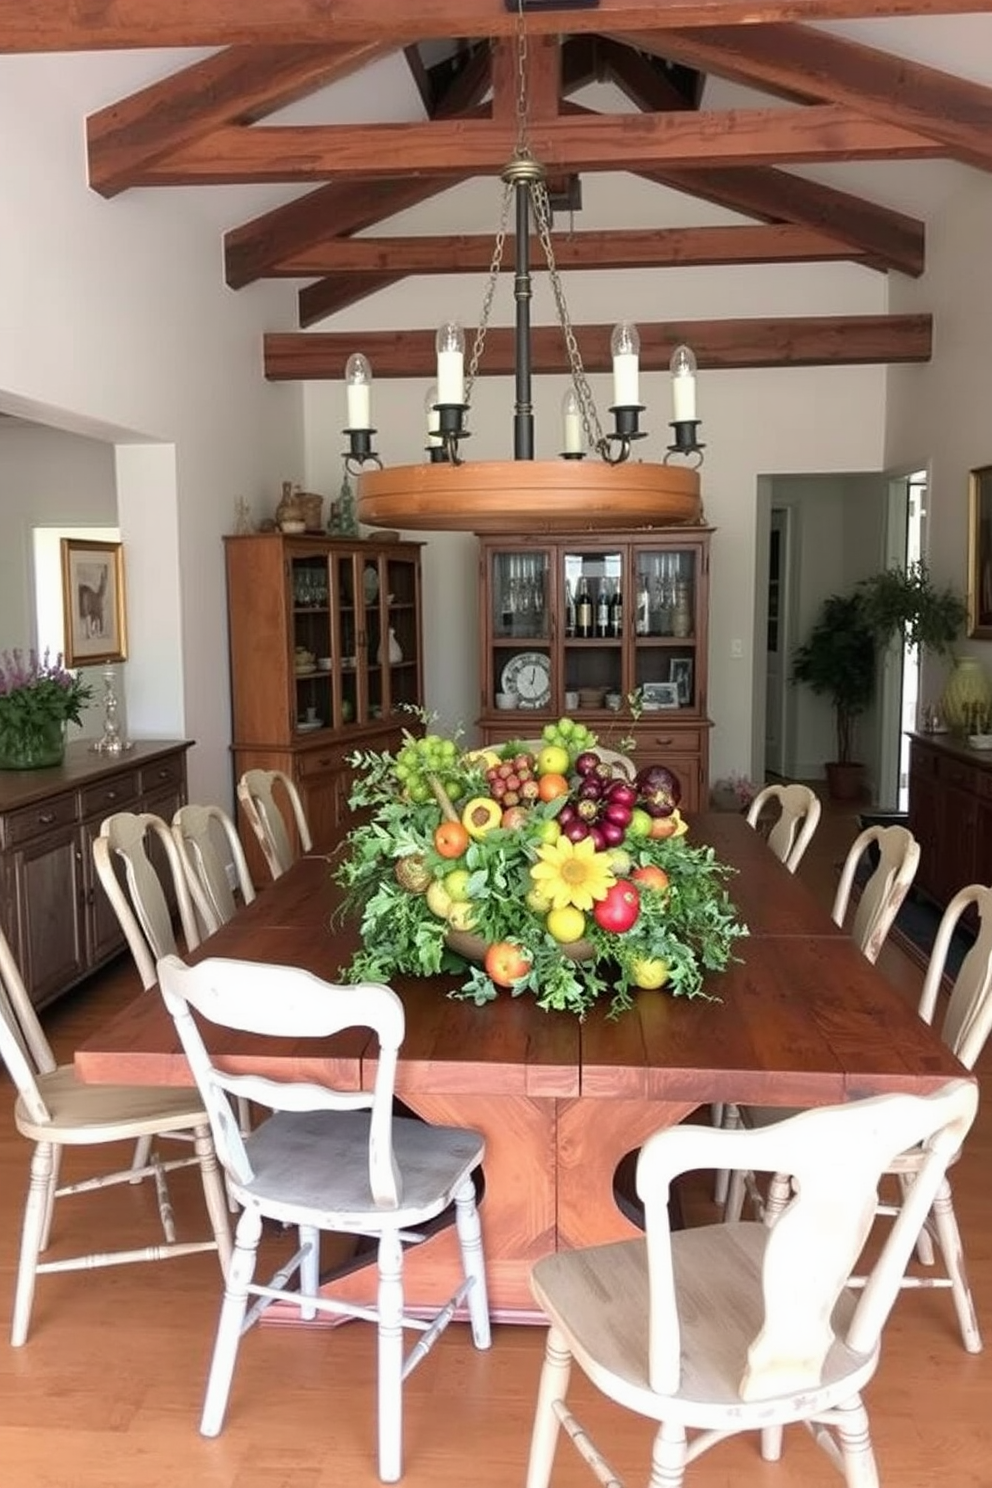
pixel 593 1136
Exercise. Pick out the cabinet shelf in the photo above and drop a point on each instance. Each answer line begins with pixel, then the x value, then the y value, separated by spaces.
pixel 658 579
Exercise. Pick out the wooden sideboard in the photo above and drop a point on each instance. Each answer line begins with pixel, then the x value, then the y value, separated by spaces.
pixel 950 813
pixel 53 911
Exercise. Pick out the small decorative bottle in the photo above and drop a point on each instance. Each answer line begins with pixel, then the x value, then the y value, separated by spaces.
pixel 391 650
pixel 602 610
pixel 616 611
pixel 682 611
pixel 583 607
pixel 642 625
pixel 570 620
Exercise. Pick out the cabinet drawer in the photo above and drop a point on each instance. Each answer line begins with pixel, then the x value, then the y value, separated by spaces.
pixel 955 772
pixel 657 737
pixel 32 821
pixel 320 761
pixel 163 773
pixel 117 794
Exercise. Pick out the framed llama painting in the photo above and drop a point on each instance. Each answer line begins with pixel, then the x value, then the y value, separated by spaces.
pixel 93 602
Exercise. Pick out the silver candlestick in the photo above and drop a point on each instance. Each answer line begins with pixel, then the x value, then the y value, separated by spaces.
pixel 111 741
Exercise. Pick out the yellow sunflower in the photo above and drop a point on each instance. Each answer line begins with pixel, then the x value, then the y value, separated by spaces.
pixel 572 873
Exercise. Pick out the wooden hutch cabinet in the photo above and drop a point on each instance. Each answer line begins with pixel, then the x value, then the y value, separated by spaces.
pixel 53 909
pixel 326 648
pixel 577 622
pixel 950 814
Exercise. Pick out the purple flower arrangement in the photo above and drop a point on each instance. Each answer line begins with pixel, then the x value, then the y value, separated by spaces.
pixel 37 698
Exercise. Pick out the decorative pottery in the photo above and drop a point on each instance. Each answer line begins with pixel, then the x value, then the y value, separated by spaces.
pixel 393 651
pixel 36 748
pixel 967 700
pixel 474 948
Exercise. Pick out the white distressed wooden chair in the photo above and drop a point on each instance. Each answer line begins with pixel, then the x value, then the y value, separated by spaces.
pixel 143 909
pixel 203 835
pixel 746 1327
pixel 886 888
pixel 257 792
pixel 54 1109
pixel 792 831
pixel 326 1160
pixel 965 1027
pixel 140 903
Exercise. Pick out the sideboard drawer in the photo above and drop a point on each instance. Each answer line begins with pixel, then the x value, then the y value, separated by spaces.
pixel 313 762
pixel 656 737
pixel 162 773
pixel 34 821
pixel 116 794
pixel 957 773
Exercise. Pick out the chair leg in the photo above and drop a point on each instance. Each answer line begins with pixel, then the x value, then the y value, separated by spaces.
pixel 142 1152
pixel 553 1387
pixel 390 1331
pixel 309 1270
pixel 214 1193
pixel 856 1451
pixel 734 1206
pixel 36 1209
pixel 668 1457
pixel 949 1236
pixel 46 1228
pixel 924 1244
pixel 473 1263
pixel 238 1279
pixel 771 1443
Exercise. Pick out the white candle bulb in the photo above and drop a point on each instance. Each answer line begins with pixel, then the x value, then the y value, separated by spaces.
pixel 358 391
pixel 625 346
pixel 571 417
pixel 450 345
pixel 683 370
pixel 430 414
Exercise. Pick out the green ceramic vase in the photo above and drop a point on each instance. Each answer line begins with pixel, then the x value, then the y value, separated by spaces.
pixel 37 747
pixel 967 701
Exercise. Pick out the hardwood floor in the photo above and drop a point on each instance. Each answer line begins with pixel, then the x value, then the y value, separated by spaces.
pixel 107 1391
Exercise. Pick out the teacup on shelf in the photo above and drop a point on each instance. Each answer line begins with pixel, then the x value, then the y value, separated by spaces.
pixel 506 700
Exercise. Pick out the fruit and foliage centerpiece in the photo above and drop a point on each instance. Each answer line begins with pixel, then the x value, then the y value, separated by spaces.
pixel 539 866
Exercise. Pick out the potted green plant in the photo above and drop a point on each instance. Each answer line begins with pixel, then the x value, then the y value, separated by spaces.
pixel 905 602
pixel 837 661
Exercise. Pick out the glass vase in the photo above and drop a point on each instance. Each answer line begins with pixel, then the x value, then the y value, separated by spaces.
pixel 37 746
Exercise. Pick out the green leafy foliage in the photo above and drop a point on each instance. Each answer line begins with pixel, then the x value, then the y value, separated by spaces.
pixel 691 927
pixel 35 694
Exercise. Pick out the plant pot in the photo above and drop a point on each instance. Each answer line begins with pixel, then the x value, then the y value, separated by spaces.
pixel 36 748
pixel 845 780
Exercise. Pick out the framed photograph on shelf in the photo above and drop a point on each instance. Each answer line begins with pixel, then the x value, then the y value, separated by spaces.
pixel 680 672
pixel 93 602
pixel 980 553
pixel 655 695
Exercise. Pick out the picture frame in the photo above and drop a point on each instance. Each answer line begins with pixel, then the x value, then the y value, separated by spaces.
pixel 93 602
pixel 980 553
pixel 680 672
pixel 655 695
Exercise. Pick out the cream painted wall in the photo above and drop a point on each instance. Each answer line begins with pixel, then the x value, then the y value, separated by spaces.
pixel 754 422
pixel 116 323
pixel 941 414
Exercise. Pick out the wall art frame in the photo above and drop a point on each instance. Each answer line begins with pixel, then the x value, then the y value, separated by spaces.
pixel 93 610
pixel 980 553
pixel 680 672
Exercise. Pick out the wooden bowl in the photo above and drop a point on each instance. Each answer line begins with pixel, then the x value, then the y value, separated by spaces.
pixel 474 948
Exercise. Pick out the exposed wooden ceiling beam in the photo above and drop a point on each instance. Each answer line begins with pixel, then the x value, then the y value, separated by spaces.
pixel 800 60
pixel 890 240
pixel 677 247
pixel 68 26
pixel 252 250
pixel 725 344
pixel 240 85
pixel 639 141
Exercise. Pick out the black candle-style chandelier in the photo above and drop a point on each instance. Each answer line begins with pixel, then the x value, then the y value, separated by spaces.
pixel 450 492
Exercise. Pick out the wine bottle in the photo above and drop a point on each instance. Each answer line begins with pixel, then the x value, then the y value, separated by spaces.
pixel 570 620
pixel 616 611
pixel 602 611
pixel 583 610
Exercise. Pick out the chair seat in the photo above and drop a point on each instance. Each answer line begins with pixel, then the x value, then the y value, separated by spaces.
pixel 603 1293
pixel 312 1167
pixel 84 1114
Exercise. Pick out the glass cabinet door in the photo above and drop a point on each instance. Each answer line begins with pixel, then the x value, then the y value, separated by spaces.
pixel 520 625
pixel 313 647
pixel 665 622
pixel 597 615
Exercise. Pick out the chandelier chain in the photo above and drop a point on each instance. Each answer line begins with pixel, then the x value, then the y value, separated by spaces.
pixel 478 345
pixel 541 207
pixel 523 141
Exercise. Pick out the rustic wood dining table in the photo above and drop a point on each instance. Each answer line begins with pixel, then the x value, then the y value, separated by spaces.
pixel 800 1018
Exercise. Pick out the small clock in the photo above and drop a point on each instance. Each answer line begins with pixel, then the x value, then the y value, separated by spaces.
pixel 528 675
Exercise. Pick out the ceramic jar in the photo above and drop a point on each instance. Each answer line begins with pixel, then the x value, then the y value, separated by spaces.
pixel 967 700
